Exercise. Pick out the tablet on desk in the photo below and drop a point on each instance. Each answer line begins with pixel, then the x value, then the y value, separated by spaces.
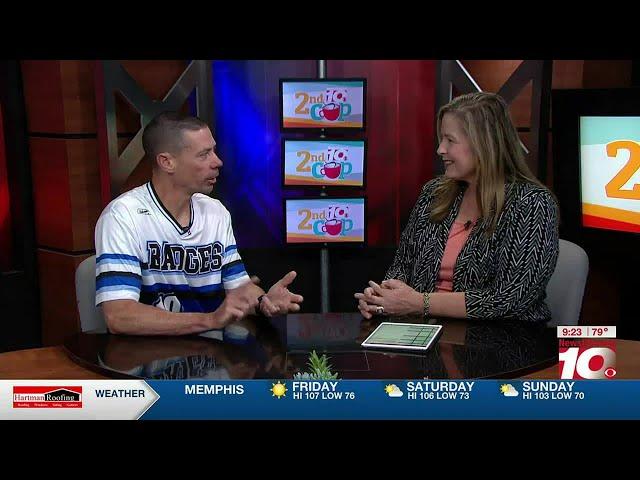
pixel 404 336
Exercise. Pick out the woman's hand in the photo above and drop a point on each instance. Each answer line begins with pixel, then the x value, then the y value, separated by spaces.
pixel 394 296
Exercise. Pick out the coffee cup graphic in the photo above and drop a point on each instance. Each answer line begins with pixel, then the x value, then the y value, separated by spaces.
pixel 332 227
pixel 331 169
pixel 336 227
pixel 331 111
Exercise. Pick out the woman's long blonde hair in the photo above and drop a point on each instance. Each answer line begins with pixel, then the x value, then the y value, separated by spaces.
pixel 495 144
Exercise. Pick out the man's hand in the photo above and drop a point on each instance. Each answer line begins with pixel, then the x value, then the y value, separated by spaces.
pixel 279 300
pixel 238 303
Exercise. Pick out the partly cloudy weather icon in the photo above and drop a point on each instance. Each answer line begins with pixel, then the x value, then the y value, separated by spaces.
pixel 508 391
pixel 393 391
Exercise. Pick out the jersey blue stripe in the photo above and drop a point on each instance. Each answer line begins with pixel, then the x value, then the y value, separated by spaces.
pixel 117 280
pixel 232 270
pixel 118 257
pixel 235 277
pixel 117 288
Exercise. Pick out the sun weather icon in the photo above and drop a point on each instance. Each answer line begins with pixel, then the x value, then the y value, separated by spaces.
pixel 508 390
pixel 278 389
pixel 393 390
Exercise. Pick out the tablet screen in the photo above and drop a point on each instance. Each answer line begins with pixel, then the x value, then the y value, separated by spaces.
pixel 409 336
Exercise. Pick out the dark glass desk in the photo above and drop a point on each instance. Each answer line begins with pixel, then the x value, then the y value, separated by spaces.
pixel 280 347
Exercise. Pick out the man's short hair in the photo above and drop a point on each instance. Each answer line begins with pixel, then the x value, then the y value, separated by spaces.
pixel 164 133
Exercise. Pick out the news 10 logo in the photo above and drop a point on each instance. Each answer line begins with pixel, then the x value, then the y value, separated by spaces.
pixel 587 358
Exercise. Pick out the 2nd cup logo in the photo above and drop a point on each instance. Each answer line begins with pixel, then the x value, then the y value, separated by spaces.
pixel 334 108
pixel 333 227
pixel 336 165
pixel 331 106
pixel 333 221
pixel 332 164
pixel 587 358
pixel 614 187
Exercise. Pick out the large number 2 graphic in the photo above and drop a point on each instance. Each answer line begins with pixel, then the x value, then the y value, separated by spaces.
pixel 614 187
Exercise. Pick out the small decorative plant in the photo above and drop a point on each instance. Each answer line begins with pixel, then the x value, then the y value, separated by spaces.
pixel 319 369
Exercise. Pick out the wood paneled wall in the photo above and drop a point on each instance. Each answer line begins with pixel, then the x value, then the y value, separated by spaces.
pixel 61 122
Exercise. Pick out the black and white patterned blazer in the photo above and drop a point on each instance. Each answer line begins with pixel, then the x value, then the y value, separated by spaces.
pixel 502 276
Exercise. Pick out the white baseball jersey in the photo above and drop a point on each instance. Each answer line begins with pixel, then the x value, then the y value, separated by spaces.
pixel 143 254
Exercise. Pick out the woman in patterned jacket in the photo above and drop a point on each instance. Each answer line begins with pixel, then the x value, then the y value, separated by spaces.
pixel 482 240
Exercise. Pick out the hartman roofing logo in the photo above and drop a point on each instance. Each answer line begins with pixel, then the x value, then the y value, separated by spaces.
pixel 47 397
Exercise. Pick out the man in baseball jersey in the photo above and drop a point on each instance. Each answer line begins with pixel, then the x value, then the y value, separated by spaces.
pixel 166 257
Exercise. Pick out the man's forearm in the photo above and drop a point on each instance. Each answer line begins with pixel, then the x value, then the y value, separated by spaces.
pixel 134 318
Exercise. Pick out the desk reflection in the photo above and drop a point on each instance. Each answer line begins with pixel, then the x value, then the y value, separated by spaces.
pixel 279 348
